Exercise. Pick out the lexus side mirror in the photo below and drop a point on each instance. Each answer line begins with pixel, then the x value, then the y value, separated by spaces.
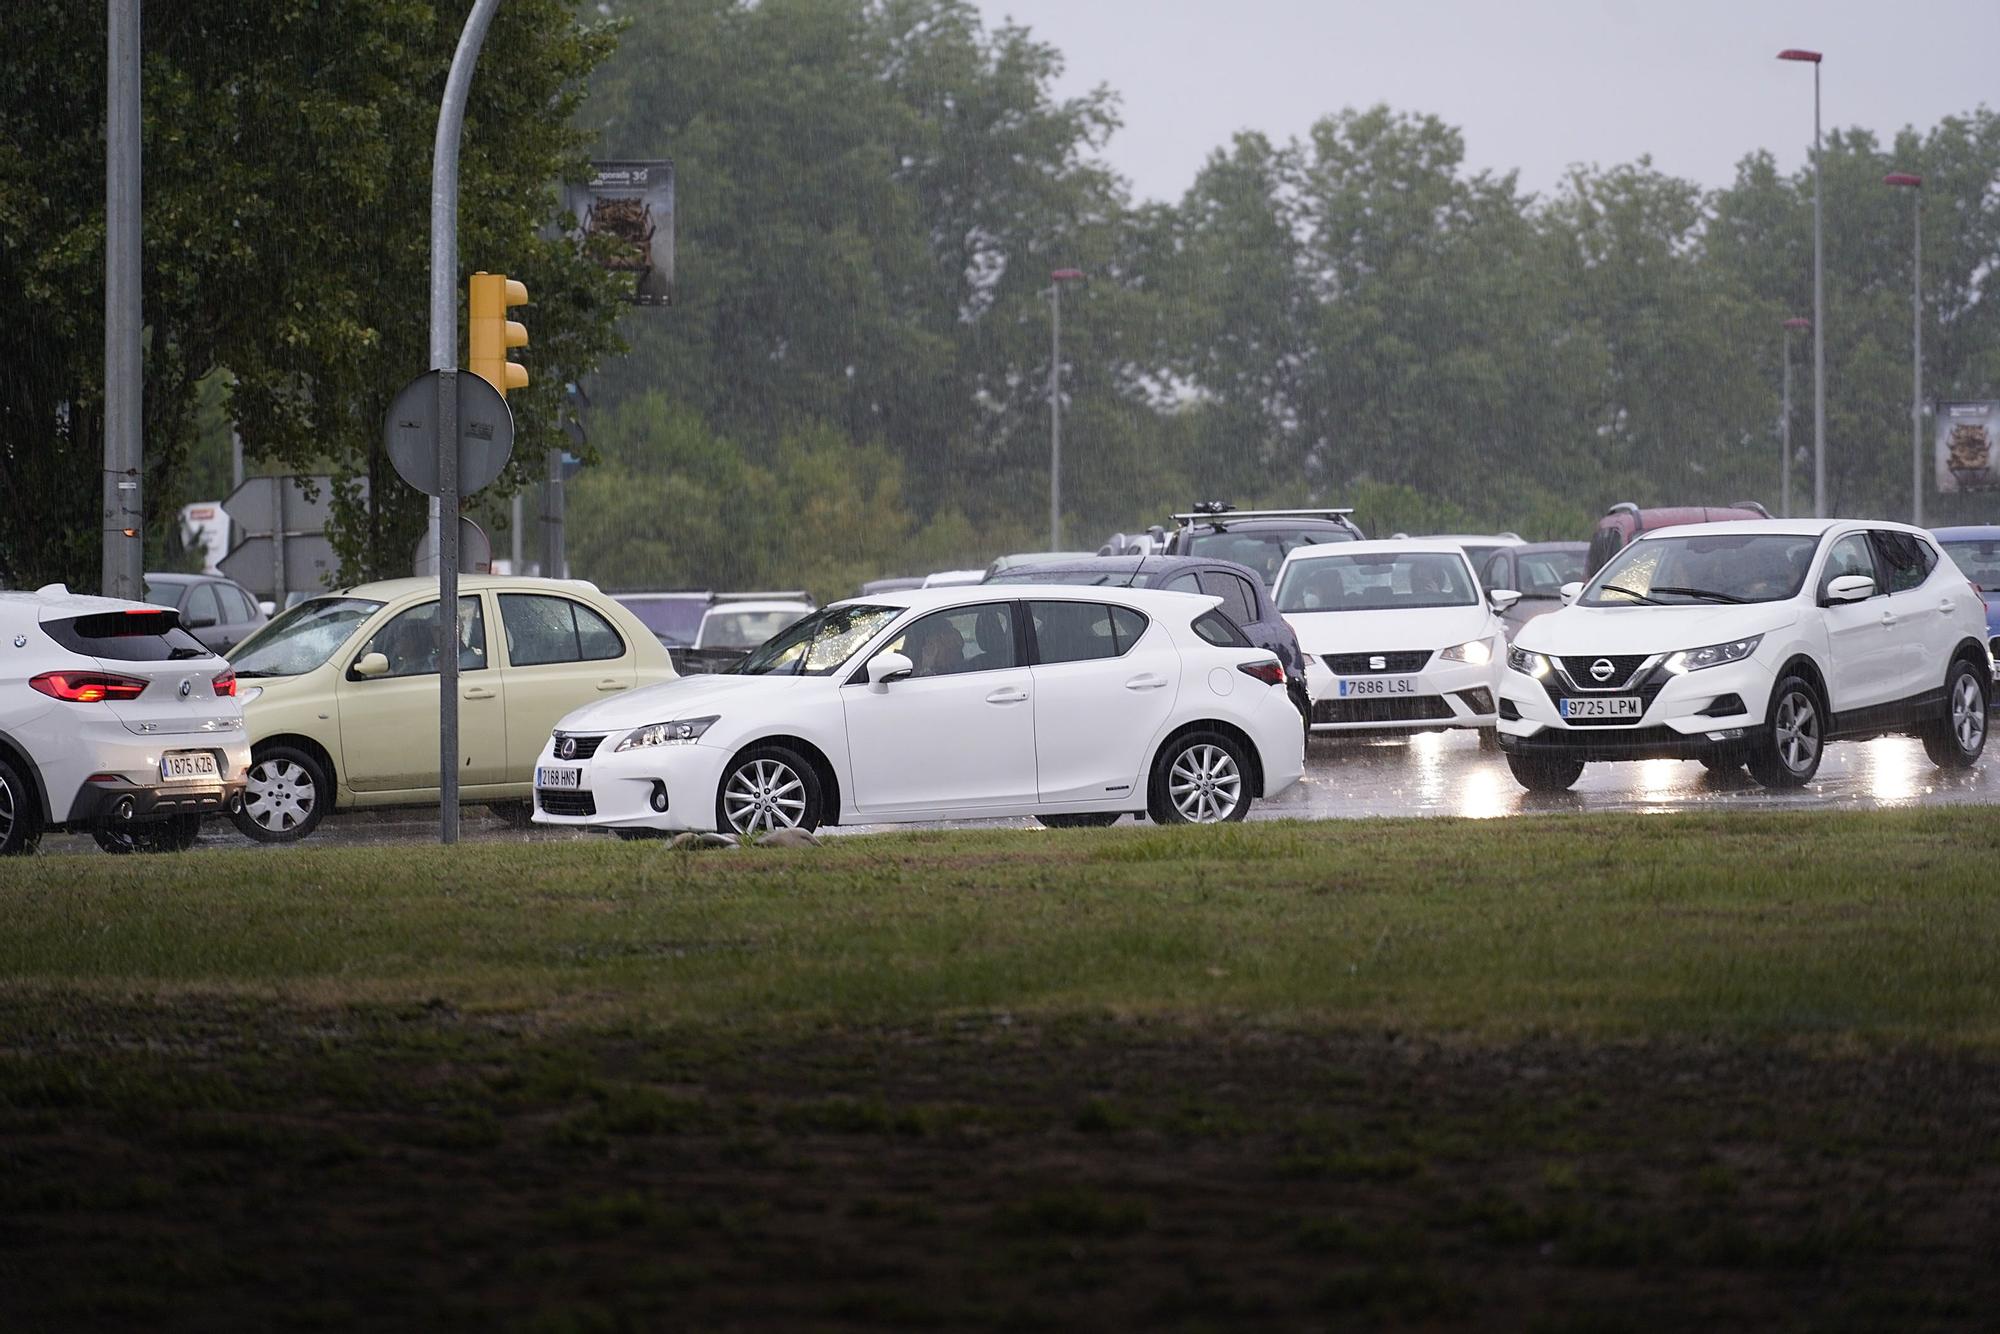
pixel 1570 591
pixel 1503 598
pixel 372 664
pixel 1848 588
pixel 886 667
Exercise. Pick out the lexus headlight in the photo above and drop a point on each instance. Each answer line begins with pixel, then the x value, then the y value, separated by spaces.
pixel 1477 652
pixel 679 732
pixel 1529 664
pixel 1715 655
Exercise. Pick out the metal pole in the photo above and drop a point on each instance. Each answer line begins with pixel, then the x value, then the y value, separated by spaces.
pixel 554 557
pixel 1785 434
pixel 1819 323
pixel 1055 416
pixel 235 459
pixel 124 367
pixel 1917 367
pixel 514 565
pixel 444 359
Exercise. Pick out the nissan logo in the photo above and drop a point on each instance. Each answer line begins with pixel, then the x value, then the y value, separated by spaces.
pixel 1602 669
pixel 567 750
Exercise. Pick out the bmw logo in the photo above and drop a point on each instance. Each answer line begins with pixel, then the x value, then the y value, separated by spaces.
pixel 1602 669
pixel 20 641
pixel 567 750
pixel 187 688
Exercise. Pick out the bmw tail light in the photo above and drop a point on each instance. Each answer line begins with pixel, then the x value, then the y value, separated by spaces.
pixel 1270 671
pixel 225 685
pixel 87 687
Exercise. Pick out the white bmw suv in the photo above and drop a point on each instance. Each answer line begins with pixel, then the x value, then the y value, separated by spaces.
pixel 1751 643
pixel 113 721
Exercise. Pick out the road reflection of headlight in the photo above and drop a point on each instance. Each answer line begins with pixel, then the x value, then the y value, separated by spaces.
pixel 1892 768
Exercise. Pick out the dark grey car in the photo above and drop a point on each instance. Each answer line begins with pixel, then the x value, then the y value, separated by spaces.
pixel 218 612
pixel 1537 572
pixel 1245 600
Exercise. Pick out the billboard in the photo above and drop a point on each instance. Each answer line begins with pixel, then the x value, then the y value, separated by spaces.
pixel 1968 446
pixel 626 215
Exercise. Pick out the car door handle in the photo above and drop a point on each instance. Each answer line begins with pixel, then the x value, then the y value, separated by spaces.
pixel 478 692
pixel 1007 695
pixel 1947 607
pixel 608 686
pixel 1146 682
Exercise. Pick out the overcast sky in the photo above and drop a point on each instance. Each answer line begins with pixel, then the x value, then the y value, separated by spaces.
pixel 1533 84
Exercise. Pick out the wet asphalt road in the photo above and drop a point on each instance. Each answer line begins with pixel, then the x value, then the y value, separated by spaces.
pixel 1432 774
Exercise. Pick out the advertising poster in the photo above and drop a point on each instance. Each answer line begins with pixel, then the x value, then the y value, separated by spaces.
pixel 1968 446
pixel 626 215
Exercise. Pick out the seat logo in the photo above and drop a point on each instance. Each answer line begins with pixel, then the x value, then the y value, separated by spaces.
pixel 568 748
pixel 1378 663
pixel 1602 669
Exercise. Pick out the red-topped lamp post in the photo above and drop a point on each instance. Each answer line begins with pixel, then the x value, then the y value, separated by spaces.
pixel 1915 185
pixel 1819 299
pixel 1056 281
pixel 1792 326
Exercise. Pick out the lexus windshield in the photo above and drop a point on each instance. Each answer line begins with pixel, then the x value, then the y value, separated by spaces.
pixel 302 638
pixel 1377 581
pixel 819 645
pixel 1704 569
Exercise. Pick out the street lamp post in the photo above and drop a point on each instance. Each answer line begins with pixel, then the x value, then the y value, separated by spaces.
pixel 1056 280
pixel 1915 185
pixel 1819 299
pixel 1792 326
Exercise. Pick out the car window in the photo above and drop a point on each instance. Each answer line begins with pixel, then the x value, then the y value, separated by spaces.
pixel 165 595
pixel 126 636
pixel 1541 574
pixel 237 605
pixel 1905 559
pixel 1081 631
pixel 1377 581
pixel 201 607
pixel 820 644
pixel 1183 583
pixel 409 641
pixel 302 638
pixel 1238 602
pixel 978 638
pixel 1216 629
pixel 543 629
pixel 1978 559
pixel 1850 555
pixel 1263 550
pixel 1702 567
pixel 1495 574
pixel 1604 544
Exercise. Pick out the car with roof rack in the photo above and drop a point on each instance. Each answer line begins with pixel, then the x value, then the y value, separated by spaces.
pixel 1260 539
pixel 1751 643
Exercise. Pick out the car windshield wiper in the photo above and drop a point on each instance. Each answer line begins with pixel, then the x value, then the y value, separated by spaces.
pixel 1697 593
pixel 1618 588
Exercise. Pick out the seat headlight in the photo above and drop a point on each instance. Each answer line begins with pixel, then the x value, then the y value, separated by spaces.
pixel 676 732
pixel 1478 652
pixel 1715 655
pixel 1528 664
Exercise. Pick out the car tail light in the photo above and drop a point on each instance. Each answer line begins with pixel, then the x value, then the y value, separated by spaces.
pixel 1270 671
pixel 225 685
pixel 87 687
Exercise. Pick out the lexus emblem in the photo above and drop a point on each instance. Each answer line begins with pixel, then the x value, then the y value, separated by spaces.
pixel 1602 669
pixel 1378 663
pixel 186 688
pixel 568 748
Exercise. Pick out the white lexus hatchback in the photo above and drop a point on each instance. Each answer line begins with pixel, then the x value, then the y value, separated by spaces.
pixel 1397 634
pixel 1073 705
pixel 113 721
pixel 1753 643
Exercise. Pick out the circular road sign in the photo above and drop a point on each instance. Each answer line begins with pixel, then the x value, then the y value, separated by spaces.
pixel 485 433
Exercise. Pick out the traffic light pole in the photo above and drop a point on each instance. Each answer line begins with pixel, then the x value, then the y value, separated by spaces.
pixel 444 359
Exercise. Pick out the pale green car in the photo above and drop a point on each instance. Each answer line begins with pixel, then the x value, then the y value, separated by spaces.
pixel 340 693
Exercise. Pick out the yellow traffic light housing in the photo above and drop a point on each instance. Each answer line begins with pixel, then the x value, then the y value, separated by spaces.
pixel 492 334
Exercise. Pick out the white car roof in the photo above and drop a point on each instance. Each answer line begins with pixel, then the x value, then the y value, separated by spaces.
pixel 1385 546
pixel 1795 527
pixel 55 602
pixel 954 578
pixel 1158 601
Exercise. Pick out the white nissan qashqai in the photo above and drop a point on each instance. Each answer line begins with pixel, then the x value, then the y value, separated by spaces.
pixel 1751 643
pixel 113 721
pixel 1070 704
pixel 1397 635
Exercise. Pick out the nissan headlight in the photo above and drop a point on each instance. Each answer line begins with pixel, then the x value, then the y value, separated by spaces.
pixel 1715 655
pixel 1528 664
pixel 1478 652
pixel 248 694
pixel 678 732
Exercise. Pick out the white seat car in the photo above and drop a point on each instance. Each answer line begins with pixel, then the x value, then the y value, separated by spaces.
pixel 1071 704
pixel 1397 634
pixel 1751 642
pixel 113 721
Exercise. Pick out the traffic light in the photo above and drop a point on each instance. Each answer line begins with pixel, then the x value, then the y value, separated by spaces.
pixel 492 334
